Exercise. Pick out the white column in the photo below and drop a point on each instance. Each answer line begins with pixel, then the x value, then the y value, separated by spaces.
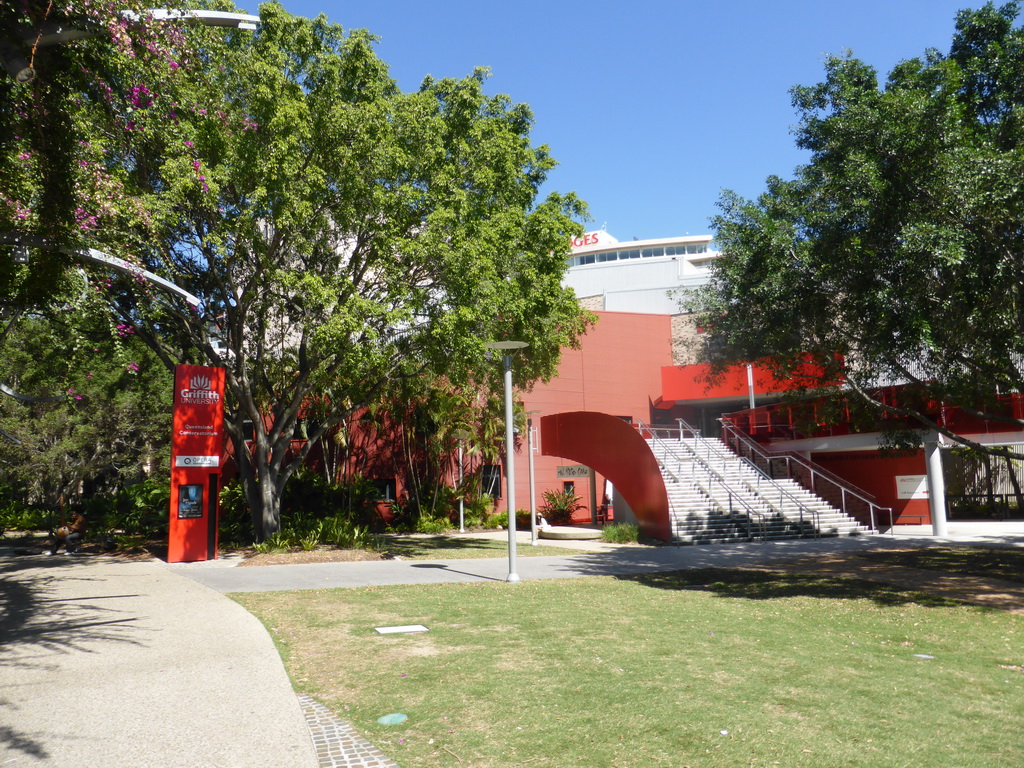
pixel 936 485
pixel 510 478
pixel 529 456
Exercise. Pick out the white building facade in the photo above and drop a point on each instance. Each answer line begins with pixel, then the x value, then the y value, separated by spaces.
pixel 637 275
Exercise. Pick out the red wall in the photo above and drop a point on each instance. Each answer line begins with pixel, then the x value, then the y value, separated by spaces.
pixel 876 474
pixel 614 448
pixel 695 382
pixel 616 371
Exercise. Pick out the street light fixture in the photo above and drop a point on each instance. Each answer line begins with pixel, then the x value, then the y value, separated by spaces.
pixel 507 347
pixel 55 33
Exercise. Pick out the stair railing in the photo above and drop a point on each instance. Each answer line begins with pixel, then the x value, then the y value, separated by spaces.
pixel 657 437
pixel 653 433
pixel 715 449
pixel 810 475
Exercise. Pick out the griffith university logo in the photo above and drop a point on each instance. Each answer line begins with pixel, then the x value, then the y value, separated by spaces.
pixel 198 392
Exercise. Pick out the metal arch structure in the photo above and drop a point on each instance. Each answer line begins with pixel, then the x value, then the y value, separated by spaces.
pixel 13 58
pixel 102 258
pixel 610 446
pixel 105 259
pixel 97 257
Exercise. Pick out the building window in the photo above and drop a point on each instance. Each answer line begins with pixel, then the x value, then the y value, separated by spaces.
pixel 490 480
pixel 385 488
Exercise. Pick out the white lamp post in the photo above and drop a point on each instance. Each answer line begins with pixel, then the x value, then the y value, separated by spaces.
pixel 533 495
pixel 461 435
pixel 506 347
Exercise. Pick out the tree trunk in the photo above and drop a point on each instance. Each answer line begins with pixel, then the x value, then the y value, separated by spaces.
pixel 259 484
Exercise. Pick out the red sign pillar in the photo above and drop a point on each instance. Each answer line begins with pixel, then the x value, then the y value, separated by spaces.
pixel 196 447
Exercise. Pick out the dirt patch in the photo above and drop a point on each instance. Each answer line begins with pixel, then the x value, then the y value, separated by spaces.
pixel 297 557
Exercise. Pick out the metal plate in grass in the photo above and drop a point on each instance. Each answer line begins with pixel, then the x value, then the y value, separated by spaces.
pixel 404 629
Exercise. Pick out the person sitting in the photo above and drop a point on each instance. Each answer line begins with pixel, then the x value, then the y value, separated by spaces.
pixel 70 534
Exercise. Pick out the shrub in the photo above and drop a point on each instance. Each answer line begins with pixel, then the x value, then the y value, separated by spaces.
pixel 16 516
pixel 311 538
pixel 278 542
pixel 235 521
pixel 559 507
pixel 343 532
pixel 433 525
pixel 522 519
pixel 142 509
pixel 477 510
pixel 621 533
pixel 495 520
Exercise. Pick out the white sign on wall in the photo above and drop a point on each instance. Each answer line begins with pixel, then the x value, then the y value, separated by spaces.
pixel 570 473
pixel 911 486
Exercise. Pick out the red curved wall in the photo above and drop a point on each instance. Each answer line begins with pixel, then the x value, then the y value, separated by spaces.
pixel 613 448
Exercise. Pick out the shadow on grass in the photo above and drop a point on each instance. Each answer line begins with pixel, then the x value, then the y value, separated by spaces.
pixel 1002 563
pixel 423 547
pixel 773 585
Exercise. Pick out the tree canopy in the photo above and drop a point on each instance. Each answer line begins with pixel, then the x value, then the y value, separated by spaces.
pixel 340 233
pixel 896 254
pixel 89 411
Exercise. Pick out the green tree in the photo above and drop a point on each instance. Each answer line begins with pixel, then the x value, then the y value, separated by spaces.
pixel 895 254
pixel 98 416
pixel 56 186
pixel 341 234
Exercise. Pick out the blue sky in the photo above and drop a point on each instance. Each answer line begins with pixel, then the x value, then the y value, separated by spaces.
pixel 653 107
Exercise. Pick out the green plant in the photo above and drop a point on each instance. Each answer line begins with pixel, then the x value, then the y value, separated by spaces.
pixel 141 508
pixel 277 542
pixel 343 532
pixel 126 541
pixel 522 519
pixel 235 521
pixel 621 533
pixel 495 520
pixel 311 538
pixel 432 524
pixel 559 506
pixel 478 507
pixel 17 516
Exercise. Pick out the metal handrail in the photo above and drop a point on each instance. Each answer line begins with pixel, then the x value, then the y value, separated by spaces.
pixel 720 453
pixel 731 431
pixel 753 515
pixel 641 427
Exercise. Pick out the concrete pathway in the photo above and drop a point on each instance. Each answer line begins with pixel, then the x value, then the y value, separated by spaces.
pixel 600 560
pixel 112 664
pixel 106 664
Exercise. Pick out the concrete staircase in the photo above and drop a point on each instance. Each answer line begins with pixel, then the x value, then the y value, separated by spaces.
pixel 715 496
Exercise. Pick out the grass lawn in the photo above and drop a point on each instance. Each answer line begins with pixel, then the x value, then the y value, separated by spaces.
pixel 995 563
pixel 692 668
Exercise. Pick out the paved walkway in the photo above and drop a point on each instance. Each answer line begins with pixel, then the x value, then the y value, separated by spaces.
pixel 600 560
pixel 106 663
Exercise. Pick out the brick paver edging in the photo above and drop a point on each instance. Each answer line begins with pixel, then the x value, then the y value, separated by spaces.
pixel 336 742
